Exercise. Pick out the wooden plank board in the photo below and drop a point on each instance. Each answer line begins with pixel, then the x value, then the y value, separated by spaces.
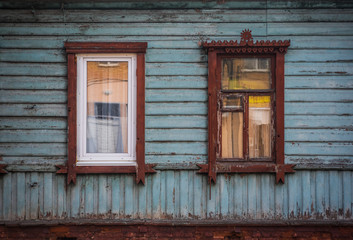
pixel 321 82
pixel 33 149
pixel 180 95
pixel 172 135
pixel 319 95
pixel 313 108
pixel 171 42
pixel 176 82
pixel 188 108
pixel 50 123
pixel 174 121
pixel 318 121
pixel 157 148
pixel 318 135
pixel 33 82
pixel 32 136
pixel 319 148
pixel 35 110
pixel 33 96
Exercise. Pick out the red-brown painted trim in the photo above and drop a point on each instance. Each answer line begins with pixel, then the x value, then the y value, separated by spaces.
pixel 105 47
pixel 71 117
pixel 71 168
pixel 2 168
pixel 246 47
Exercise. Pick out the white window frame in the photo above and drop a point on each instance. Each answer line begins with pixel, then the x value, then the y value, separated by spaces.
pixel 105 159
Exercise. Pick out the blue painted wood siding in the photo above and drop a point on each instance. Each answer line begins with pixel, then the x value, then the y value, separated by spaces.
pixel 318 110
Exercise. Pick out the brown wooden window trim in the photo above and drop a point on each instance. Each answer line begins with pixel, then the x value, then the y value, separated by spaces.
pixel 73 48
pixel 245 48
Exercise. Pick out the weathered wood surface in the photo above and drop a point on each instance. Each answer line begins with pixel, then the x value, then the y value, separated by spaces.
pixel 306 195
pixel 318 109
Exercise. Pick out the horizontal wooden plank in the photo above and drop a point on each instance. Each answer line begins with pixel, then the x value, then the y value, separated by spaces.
pixel 173 55
pixel 185 69
pixel 176 159
pixel 319 95
pixel 314 108
pixel 133 16
pixel 33 162
pixel 172 42
pixel 176 121
pixel 318 135
pixel 33 149
pixel 318 82
pixel 157 148
pixel 33 69
pixel 310 28
pixel 133 29
pixel 30 82
pixel 176 95
pixel 203 15
pixel 319 160
pixel 318 55
pixel 33 96
pixel 326 148
pixel 176 108
pixel 164 82
pixel 136 5
pixel 310 15
pixel 319 68
pixel 153 135
pixel 308 4
pixel 318 121
pixel 33 136
pixel 34 123
pixel 45 110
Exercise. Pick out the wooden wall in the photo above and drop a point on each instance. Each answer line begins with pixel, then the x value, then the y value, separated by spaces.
pixel 318 110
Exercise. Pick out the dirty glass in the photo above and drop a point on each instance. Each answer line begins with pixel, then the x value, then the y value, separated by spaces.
pixel 246 73
pixel 259 126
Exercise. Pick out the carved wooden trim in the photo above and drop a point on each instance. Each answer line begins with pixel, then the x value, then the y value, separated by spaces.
pixel 2 168
pixel 246 46
pixel 71 169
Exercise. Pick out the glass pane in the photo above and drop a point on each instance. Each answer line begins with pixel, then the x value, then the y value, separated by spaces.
pixel 232 102
pixel 246 73
pixel 232 135
pixel 259 126
pixel 107 101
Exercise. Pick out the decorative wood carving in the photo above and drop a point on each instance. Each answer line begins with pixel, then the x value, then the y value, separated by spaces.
pixel 246 46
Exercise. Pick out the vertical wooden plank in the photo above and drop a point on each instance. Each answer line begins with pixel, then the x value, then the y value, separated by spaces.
pixel 34 187
pixel 176 194
pixel 61 196
pixel 320 204
pixel 109 196
pixel 266 191
pixel 7 196
pixel 82 196
pixel 149 195
pixel 306 200
pixel 41 195
pixel 95 194
pixel 190 203
pixel 245 196
pixel 223 196
pixel 230 189
pixel 102 195
pixel 294 195
pixel 340 195
pixel 170 193
pixel 251 185
pixel 211 200
pixel 237 183
pixel 2 198
pixel 158 180
pixel 258 196
pixel 21 196
pixel 75 190
pixel 89 203
pixel 48 195
pixel 184 193
pixel 334 191
pixel 280 190
pixel 347 194
pixel 279 108
pixel 13 204
pixel 142 199
pixel 129 195
pixel 28 195
pixel 198 196
pixel 116 195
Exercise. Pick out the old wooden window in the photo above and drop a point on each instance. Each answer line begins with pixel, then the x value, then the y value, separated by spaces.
pixel 246 107
pixel 106 109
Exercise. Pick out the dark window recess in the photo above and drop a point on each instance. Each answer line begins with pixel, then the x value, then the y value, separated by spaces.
pixel 107 110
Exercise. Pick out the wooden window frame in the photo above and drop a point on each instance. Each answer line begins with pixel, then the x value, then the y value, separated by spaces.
pixel 74 48
pixel 245 48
